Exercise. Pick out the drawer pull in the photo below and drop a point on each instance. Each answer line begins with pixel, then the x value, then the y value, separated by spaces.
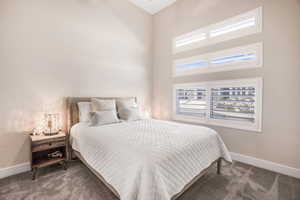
pixel 50 144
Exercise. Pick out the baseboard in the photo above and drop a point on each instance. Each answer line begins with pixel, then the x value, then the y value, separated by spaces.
pixel 17 169
pixel 275 167
pixel 282 169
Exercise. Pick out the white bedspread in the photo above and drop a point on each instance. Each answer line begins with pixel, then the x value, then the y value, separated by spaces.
pixel 148 159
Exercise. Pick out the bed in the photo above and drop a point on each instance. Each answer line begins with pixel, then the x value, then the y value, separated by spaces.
pixel 146 159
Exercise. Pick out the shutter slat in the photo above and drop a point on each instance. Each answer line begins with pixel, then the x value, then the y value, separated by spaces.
pixel 232 106
pixel 191 101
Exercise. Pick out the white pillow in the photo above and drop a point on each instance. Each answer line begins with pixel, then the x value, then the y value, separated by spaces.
pixel 126 103
pixel 103 104
pixel 84 111
pixel 99 118
pixel 130 114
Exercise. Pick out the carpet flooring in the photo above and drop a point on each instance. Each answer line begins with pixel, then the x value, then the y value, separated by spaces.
pixel 237 182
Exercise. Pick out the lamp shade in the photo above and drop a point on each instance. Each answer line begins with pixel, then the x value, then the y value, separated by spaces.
pixel 51 124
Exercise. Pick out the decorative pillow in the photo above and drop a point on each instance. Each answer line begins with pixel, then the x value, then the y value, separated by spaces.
pixel 99 118
pixel 103 104
pixel 84 111
pixel 126 103
pixel 130 114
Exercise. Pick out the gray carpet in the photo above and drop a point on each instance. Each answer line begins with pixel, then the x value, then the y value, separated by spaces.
pixel 238 182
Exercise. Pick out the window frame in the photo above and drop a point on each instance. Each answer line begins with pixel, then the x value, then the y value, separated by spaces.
pixel 209 57
pixel 255 82
pixel 206 31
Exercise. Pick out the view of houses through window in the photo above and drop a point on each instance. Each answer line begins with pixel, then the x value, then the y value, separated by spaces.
pixel 230 103
pixel 192 102
pixel 233 103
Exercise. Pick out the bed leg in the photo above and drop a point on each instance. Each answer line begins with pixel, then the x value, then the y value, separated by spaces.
pixel 219 165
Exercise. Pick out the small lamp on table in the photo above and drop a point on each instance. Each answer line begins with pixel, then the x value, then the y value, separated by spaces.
pixel 52 124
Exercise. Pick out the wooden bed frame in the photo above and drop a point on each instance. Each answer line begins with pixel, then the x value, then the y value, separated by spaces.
pixel 73 118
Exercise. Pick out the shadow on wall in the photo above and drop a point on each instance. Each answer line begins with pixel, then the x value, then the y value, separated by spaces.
pixel 25 148
pixel 14 149
pixel 125 12
pixel 28 116
pixel 201 6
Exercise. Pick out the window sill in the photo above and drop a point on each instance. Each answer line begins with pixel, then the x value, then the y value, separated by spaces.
pixel 212 122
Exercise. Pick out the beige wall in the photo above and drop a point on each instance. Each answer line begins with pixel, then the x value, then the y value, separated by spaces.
pixel 52 49
pixel 280 139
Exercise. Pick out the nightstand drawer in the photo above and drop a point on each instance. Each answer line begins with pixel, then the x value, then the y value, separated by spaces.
pixel 48 145
pixel 48 140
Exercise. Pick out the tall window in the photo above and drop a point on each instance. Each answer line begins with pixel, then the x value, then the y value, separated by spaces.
pixel 242 57
pixel 233 103
pixel 235 27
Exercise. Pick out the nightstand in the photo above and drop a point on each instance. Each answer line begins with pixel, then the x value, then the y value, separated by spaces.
pixel 48 150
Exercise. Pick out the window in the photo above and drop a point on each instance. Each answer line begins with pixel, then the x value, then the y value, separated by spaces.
pixel 234 103
pixel 189 39
pixel 235 27
pixel 191 101
pixel 241 24
pixel 191 66
pixel 231 59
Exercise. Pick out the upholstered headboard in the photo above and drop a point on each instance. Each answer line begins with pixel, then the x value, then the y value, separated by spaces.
pixel 72 108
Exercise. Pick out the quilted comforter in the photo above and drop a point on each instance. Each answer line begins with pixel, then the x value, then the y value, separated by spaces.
pixel 148 159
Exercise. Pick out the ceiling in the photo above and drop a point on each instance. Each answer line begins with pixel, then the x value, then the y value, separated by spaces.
pixel 152 6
